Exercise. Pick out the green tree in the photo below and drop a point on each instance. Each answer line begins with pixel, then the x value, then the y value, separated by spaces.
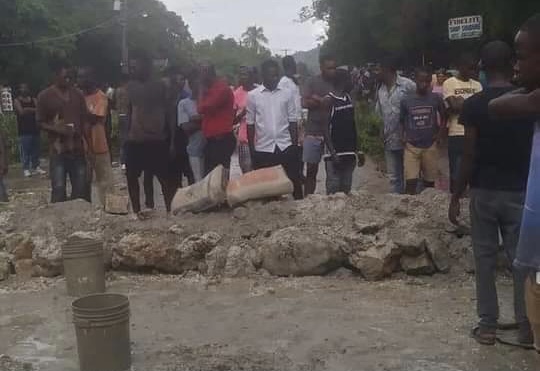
pixel 228 54
pixel 417 30
pixel 86 32
pixel 254 39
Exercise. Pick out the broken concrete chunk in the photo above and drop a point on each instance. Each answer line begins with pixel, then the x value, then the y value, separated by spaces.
pixel 298 252
pixel 47 256
pixel 366 225
pixel 378 261
pixel 137 252
pixel 204 195
pixel 4 266
pixel 437 250
pixel 178 230
pixel 240 213
pixel 216 260
pixel 259 184
pixel 417 265
pixel 412 243
pixel 117 204
pixel 239 262
pixel 24 249
pixel 24 268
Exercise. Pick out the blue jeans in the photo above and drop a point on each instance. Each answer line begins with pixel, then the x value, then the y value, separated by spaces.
pixel 339 179
pixel 494 213
pixel 74 166
pixel 394 169
pixel 29 151
pixel 3 191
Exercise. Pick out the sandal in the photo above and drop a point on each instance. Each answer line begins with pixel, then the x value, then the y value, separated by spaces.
pixel 483 337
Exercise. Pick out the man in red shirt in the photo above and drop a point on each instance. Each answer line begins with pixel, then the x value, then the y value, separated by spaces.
pixel 216 106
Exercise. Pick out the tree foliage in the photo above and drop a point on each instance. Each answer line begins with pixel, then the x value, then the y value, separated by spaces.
pixel 255 39
pixel 151 27
pixel 89 32
pixel 365 30
pixel 228 54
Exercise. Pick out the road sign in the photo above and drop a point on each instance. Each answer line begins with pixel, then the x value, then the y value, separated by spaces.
pixel 465 27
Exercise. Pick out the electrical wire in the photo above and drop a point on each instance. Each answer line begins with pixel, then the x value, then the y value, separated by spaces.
pixel 45 40
pixel 60 37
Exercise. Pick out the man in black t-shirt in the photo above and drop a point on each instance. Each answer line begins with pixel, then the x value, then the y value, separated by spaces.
pixel 496 167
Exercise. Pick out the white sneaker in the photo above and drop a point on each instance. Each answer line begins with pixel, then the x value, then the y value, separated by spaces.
pixel 27 174
pixel 39 171
pixel 123 167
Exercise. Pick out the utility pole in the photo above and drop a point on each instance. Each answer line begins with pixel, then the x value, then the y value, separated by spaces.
pixel 286 51
pixel 122 6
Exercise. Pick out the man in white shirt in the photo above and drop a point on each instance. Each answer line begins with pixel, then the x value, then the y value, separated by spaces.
pixel 272 120
pixel 288 81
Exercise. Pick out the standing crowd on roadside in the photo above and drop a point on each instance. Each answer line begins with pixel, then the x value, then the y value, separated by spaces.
pixel 490 134
pixel 185 124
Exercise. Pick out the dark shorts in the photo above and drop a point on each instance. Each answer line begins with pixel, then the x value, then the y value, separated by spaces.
pixel 313 149
pixel 151 157
pixel 218 151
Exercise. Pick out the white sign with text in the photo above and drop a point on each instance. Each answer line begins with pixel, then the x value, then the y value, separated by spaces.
pixel 465 27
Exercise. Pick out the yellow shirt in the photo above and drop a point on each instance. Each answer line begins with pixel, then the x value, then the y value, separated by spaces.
pixel 453 87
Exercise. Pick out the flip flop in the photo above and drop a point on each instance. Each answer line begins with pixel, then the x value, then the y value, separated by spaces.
pixel 484 339
pixel 513 342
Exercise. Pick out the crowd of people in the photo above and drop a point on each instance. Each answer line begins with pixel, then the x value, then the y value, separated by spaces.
pixel 185 124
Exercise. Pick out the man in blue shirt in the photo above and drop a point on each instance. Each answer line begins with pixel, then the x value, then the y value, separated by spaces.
pixel 393 88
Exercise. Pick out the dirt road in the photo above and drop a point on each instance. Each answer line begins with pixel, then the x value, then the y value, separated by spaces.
pixel 305 324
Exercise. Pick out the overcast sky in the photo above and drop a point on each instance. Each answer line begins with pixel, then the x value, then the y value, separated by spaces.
pixel 279 18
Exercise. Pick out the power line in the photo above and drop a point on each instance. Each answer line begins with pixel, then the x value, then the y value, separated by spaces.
pixel 134 13
pixel 61 37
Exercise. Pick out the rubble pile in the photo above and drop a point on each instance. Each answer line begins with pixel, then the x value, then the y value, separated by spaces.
pixel 372 235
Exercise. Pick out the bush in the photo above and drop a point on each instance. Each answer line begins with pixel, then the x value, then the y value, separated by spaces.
pixel 8 129
pixel 369 129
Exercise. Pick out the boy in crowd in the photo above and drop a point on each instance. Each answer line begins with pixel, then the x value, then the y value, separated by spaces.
pixel 4 161
pixel 272 127
pixel 150 142
pixel 342 147
pixel 245 80
pixel 419 119
pixel 178 92
pixel 497 175
pixel 313 95
pixel 98 154
pixel 189 121
pixel 62 113
pixel 526 103
pixel 455 91
pixel 28 130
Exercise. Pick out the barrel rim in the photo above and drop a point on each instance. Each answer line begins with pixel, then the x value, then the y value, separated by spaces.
pixel 76 308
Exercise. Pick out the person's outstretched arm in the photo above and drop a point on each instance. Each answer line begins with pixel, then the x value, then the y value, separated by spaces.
pixel 516 104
